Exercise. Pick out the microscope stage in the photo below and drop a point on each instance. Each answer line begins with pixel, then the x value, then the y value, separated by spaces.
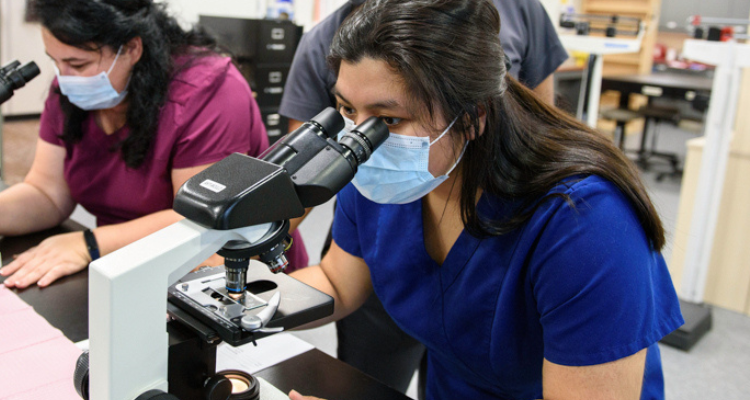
pixel 203 296
pixel 210 293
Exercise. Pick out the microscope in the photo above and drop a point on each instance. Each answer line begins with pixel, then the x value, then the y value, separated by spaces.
pixel 14 76
pixel 239 207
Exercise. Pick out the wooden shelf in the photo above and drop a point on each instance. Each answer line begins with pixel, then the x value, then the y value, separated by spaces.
pixel 623 9
pixel 620 7
pixel 626 59
pixel 648 12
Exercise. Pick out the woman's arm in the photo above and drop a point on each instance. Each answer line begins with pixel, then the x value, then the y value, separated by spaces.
pixel 546 90
pixel 66 254
pixel 113 237
pixel 42 200
pixel 342 276
pixel 617 380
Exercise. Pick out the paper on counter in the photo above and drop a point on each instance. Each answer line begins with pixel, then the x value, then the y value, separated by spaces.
pixel 271 350
pixel 36 360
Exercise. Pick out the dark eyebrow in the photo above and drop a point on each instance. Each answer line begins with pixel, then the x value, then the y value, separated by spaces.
pixel 387 104
pixel 69 59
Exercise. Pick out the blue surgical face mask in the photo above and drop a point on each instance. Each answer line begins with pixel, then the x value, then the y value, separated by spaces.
pixel 397 172
pixel 91 92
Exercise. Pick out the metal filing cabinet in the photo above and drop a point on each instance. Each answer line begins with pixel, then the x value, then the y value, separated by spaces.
pixel 263 50
pixel 276 124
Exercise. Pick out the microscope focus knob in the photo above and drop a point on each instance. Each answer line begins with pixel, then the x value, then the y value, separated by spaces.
pixel 251 323
pixel 81 375
pixel 217 387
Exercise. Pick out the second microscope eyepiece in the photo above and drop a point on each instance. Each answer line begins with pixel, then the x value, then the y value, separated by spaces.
pixel 329 121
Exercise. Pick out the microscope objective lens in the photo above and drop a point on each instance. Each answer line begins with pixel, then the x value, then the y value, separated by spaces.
pixel 236 280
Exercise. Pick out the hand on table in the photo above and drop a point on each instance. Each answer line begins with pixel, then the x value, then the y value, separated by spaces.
pixel 53 258
pixel 294 395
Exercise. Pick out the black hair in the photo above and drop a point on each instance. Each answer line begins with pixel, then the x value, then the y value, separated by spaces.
pixel 449 54
pixel 94 24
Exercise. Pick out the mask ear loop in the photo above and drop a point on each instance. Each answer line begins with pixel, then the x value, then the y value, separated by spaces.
pixel 460 156
pixel 445 131
pixel 114 62
pixel 462 150
pixel 113 65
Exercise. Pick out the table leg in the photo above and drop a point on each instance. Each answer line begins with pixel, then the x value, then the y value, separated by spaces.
pixel 595 88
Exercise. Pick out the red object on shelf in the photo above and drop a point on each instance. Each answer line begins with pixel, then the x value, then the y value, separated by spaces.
pixel 727 33
pixel 660 53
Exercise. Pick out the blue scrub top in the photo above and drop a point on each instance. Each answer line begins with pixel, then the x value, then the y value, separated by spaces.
pixel 575 285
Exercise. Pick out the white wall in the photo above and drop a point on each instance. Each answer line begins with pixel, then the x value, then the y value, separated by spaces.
pixel 187 11
pixel 553 8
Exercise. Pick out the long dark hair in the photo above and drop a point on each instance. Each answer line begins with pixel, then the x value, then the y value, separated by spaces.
pixel 94 24
pixel 449 55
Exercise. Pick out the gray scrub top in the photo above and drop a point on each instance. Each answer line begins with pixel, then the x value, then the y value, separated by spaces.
pixel 526 33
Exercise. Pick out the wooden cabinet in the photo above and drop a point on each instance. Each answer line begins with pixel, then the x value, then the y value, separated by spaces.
pixel 728 280
pixel 648 12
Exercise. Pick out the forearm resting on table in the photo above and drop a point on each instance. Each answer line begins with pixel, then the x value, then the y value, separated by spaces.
pixel 113 237
pixel 24 208
pixel 294 222
pixel 342 276
pixel 343 304
pixel 314 276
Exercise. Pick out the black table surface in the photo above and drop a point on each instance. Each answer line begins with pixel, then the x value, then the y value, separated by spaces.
pixel 315 373
pixel 669 85
pixel 662 80
pixel 64 304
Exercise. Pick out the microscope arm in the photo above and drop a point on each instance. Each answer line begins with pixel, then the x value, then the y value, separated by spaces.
pixel 128 305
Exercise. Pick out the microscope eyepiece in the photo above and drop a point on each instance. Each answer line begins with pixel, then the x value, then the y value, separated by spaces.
pixel 330 121
pixel 14 76
pixel 29 71
pixel 365 138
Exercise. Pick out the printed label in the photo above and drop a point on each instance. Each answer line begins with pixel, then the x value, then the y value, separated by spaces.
pixel 275 77
pixel 273 119
pixel 277 33
pixel 653 91
pixel 215 187
pixel 274 132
